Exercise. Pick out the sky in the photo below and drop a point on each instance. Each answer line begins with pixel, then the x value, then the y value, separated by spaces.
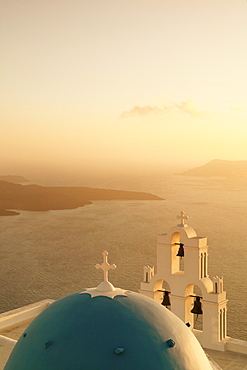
pixel 121 86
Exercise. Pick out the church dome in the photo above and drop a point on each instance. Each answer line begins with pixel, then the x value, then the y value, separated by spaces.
pixel 107 328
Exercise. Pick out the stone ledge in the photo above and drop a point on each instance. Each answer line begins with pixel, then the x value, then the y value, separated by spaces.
pixel 236 345
pixel 18 315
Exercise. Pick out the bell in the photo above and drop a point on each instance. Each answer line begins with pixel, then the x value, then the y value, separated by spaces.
pixel 181 250
pixel 197 309
pixel 166 299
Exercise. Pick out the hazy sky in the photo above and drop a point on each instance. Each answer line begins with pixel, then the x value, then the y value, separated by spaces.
pixel 129 84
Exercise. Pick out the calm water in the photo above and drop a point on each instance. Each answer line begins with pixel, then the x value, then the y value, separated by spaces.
pixel 51 254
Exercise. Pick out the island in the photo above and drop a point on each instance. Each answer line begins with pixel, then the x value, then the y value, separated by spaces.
pixel 14 179
pixel 219 168
pixel 4 212
pixel 40 198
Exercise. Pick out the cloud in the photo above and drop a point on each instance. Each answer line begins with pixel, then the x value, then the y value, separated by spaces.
pixel 146 110
pixel 238 109
pixel 187 107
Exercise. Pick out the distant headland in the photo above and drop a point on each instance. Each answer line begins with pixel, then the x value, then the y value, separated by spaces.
pixel 14 179
pixel 39 198
pixel 219 168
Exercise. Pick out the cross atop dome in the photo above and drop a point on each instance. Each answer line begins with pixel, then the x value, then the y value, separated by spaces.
pixel 105 266
pixel 182 217
pixel 105 288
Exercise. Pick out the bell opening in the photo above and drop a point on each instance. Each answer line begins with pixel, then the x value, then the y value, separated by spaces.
pixel 194 318
pixel 197 308
pixel 180 254
pixel 177 253
pixel 165 295
pixel 166 299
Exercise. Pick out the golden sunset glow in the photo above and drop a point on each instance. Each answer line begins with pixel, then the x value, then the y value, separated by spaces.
pixel 121 86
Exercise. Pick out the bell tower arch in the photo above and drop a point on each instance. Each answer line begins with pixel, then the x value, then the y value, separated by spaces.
pixel 182 261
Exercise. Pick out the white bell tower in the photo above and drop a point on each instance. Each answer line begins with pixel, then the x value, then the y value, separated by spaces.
pixel 183 272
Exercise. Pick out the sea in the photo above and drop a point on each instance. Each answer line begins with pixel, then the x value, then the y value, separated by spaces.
pixel 52 254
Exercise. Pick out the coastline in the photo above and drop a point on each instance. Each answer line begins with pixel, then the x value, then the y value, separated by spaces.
pixel 6 212
pixel 14 197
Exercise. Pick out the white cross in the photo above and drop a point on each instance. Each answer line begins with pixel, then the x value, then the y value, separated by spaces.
pixel 182 217
pixel 105 266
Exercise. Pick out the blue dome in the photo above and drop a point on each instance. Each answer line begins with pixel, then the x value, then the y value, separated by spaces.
pixel 126 332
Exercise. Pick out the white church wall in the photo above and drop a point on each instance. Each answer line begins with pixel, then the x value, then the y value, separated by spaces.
pixel 182 277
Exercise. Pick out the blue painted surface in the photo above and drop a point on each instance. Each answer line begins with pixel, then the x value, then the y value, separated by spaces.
pixel 80 332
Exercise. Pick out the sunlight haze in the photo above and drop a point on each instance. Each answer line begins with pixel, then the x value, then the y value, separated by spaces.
pixel 121 86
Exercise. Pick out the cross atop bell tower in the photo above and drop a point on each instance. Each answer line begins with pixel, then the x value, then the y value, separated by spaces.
pixel 182 217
